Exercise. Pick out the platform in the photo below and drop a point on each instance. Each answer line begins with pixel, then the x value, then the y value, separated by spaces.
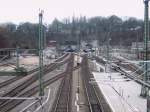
pixel 121 93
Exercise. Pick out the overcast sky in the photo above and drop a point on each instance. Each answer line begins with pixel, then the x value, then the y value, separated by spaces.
pixel 27 10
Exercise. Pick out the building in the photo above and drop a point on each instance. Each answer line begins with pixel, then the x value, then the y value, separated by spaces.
pixel 69 46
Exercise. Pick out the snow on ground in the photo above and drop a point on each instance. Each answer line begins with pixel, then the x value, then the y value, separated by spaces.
pixel 7 68
pixel 29 60
pixel 117 55
pixel 123 95
pixel 78 58
pixel 98 66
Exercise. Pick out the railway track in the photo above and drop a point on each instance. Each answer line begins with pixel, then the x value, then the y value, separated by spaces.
pixel 133 77
pixel 7 82
pixel 135 73
pixel 119 66
pixel 28 81
pixel 10 104
pixel 63 100
pixel 99 60
pixel 132 67
pixel 96 101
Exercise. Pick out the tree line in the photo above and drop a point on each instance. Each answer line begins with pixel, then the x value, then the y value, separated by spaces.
pixel 112 28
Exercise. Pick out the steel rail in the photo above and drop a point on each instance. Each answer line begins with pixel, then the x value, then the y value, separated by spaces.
pixel 96 100
pixel 21 86
pixel 63 99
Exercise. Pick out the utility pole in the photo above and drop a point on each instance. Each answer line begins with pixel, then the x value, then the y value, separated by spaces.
pixel 144 89
pixel 107 52
pixel 44 36
pixel 136 30
pixel 17 54
pixel 41 88
pixel 137 45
